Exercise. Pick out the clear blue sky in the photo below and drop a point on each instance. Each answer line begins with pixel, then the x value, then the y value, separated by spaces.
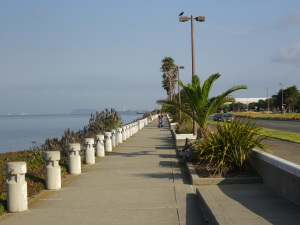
pixel 59 55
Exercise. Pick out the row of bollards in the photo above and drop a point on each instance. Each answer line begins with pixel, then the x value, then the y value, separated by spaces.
pixel 16 184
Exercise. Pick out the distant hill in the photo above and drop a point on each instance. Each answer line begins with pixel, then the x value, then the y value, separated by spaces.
pixel 83 111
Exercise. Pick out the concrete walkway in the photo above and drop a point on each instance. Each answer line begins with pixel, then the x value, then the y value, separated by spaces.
pixel 284 149
pixel 139 183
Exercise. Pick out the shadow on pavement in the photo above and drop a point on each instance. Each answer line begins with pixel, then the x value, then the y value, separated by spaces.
pixel 193 216
pixel 262 202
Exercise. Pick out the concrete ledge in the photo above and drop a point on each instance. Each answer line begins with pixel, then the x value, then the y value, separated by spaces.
pixel 180 139
pixel 283 164
pixel 211 209
pixel 278 174
pixel 173 126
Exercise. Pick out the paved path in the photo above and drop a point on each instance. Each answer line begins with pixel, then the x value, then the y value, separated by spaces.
pixel 287 150
pixel 139 183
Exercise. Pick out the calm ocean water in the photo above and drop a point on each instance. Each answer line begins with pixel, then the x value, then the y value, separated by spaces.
pixel 18 133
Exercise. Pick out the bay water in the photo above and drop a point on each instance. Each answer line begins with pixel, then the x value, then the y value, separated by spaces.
pixel 19 133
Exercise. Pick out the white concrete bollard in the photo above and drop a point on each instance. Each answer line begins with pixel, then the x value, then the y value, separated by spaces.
pixel 74 159
pixel 136 128
pixel 130 129
pixel 89 151
pixel 144 123
pixel 100 151
pixel 124 133
pixel 127 131
pixel 108 144
pixel 113 138
pixel 53 170
pixel 120 136
pixel 16 187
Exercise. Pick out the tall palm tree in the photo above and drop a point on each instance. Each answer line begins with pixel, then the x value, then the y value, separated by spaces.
pixel 196 99
pixel 169 70
pixel 199 101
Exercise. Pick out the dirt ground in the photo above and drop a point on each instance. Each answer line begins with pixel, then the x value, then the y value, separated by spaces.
pixel 204 170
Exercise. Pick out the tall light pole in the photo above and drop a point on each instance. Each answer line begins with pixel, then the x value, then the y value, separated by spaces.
pixel 179 99
pixel 268 106
pixel 199 19
pixel 282 111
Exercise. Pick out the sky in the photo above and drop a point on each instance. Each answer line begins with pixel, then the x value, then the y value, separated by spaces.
pixel 61 55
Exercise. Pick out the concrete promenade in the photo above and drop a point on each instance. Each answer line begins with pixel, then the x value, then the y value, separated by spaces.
pixel 139 183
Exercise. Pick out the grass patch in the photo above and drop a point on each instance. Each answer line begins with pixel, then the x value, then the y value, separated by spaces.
pixel 282 135
pixel 257 115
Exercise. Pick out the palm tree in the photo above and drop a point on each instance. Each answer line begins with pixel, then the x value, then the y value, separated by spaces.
pixel 199 100
pixel 169 70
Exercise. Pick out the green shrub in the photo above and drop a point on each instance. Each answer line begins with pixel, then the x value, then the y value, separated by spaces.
pixel 230 145
pixel 98 123
pixel 184 128
pixel 185 124
pixel 104 121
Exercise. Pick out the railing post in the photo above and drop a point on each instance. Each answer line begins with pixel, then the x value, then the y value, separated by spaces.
pixel 89 153
pixel 74 159
pixel 53 170
pixel 108 144
pixel 100 151
pixel 16 187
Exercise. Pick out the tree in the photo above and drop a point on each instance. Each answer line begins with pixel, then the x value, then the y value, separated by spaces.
pixel 292 102
pixel 169 76
pixel 201 104
pixel 291 97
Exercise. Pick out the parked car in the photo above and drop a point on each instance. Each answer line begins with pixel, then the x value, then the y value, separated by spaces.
pixel 228 117
pixel 223 116
pixel 218 117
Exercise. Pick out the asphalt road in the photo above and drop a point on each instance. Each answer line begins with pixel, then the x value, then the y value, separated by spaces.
pixel 283 125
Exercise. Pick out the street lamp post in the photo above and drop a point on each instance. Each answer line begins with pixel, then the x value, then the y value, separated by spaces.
pixel 282 110
pixel 268 105
pixel 179 99
pixel 199 19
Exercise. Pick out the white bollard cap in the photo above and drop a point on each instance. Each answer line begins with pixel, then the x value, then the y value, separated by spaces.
pixel 90 141
pixel 16 168
pixel 107 134
pixel 100 137
pixel 74 147
pixel 52 155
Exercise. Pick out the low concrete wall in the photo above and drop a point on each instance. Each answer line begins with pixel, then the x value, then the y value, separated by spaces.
pixel 173 126
pixel 180 139
pixel 278 174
